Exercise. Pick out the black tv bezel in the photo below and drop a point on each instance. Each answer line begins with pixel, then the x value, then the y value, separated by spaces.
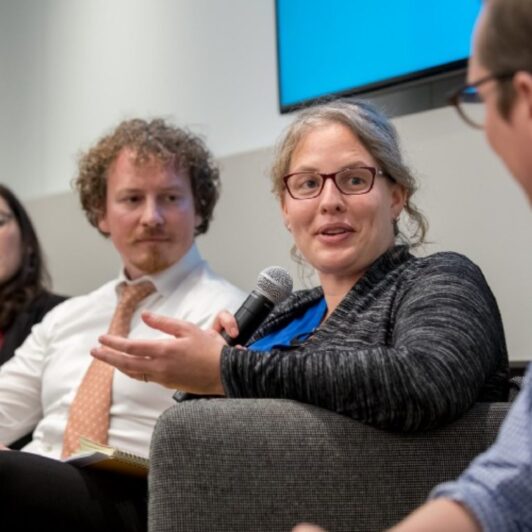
pixel 427 74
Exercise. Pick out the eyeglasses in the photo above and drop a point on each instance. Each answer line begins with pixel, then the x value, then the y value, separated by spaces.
pixel 469 103
pixel 349 181
pixel 5 218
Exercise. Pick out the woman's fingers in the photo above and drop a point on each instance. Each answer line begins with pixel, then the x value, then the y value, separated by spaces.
pixel 225 321
pixel 165 324
pixel 128 364
pixel 133 347
pixel 188 358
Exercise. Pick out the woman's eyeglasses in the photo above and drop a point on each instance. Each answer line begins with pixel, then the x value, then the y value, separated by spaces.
pixel 349 181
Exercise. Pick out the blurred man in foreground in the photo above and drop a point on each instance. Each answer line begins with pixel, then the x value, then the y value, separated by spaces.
pixel 495 492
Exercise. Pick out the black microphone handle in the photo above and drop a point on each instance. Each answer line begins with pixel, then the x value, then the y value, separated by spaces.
pixel 249 317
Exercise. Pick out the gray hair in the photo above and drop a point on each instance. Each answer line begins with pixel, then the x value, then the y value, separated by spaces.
pixel 378 136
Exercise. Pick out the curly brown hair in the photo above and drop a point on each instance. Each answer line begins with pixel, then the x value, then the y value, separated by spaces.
pixel 149 139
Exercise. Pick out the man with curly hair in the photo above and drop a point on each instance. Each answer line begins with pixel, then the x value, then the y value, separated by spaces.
pixel 151 189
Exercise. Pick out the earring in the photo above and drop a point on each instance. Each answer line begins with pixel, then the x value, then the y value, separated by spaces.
pixel 395 225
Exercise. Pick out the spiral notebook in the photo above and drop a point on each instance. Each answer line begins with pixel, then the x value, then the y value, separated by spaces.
pixel 99 456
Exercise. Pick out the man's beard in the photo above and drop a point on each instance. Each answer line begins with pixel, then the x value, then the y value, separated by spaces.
pixel 151 262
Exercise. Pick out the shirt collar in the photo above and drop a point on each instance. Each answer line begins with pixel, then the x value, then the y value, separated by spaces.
pixel 166 281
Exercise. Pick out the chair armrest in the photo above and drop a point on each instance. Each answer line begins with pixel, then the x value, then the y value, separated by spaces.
pixel 234 465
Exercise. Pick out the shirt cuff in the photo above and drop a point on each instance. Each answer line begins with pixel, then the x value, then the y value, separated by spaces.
pixel 481 503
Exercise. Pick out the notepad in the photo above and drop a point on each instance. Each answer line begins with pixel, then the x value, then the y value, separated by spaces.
pixel 99 456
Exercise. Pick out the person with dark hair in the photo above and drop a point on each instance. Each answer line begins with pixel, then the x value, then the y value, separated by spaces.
pixel 151 189
pixel 399 342
pixel 24 298
pixel 494 492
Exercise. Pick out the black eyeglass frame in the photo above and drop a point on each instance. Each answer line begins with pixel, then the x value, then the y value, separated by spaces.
pixel 373 171
pixel 455 98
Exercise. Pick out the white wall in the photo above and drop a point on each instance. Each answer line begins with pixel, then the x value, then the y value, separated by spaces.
pixel 70 69
pixel 475 208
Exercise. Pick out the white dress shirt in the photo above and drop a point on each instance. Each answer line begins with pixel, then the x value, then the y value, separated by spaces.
pixel 38 385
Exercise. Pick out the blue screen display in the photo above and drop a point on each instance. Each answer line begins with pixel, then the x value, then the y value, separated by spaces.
pixel 332 46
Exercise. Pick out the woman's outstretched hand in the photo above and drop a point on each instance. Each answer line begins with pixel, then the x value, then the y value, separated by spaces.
pixel 188 359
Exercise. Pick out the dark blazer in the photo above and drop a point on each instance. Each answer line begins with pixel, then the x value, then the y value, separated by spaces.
pixel 21 326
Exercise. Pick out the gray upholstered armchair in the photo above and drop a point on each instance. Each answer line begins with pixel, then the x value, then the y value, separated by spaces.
pixel 231 465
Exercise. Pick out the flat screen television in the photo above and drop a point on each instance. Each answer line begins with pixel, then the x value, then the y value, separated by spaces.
pixel 350 47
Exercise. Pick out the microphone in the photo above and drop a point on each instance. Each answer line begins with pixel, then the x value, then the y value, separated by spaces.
pixel 274 285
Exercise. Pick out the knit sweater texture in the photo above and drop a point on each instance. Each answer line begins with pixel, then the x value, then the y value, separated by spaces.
pixel 412 346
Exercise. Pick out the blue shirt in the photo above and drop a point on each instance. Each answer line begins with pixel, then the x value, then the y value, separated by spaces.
pixel 497 486
pixel 297 331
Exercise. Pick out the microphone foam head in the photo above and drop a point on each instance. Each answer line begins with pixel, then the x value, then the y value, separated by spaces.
pixel 275 283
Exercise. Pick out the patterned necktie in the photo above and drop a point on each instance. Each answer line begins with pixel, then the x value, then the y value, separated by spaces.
pixel 89 412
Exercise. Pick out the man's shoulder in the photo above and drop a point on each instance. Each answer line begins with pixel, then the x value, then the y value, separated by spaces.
pixel 211 282
pixel 202 294
pixel 79 302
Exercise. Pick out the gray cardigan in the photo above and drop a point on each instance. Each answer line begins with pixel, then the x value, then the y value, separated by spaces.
pixel 412 346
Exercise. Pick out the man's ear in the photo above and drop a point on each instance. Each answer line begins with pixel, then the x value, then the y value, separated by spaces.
pixel 103 226
pixel 197 221
pixel 522 83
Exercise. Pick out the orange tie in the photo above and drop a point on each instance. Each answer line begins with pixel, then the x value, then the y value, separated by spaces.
pixel 89 412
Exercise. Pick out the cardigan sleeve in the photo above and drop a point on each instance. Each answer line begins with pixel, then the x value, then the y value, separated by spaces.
pixel 445 339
